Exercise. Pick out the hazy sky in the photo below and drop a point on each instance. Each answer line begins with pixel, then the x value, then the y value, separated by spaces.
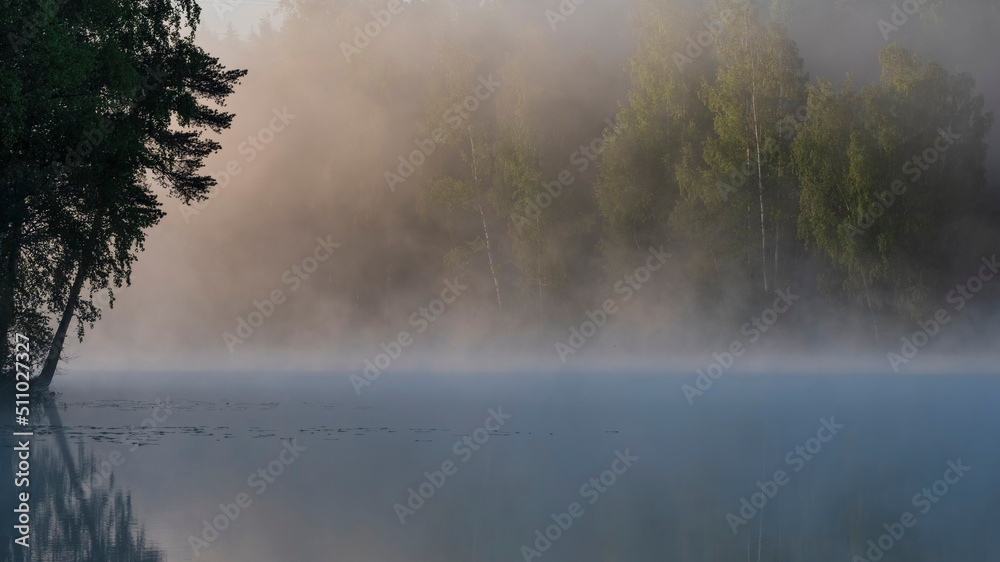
pixel 243 14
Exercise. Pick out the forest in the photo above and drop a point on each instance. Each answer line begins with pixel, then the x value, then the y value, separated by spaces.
pixel 537 154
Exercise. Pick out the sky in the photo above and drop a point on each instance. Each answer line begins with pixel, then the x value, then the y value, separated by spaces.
pixel 217 15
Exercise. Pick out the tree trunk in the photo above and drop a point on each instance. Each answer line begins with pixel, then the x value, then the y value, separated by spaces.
pixel 55 350
pixel 756 135
pixel 777 234
pixel 489 255
pixel 760 187
pixel 482 215
pixel 538 271
pixel 868 300
pixel 44 378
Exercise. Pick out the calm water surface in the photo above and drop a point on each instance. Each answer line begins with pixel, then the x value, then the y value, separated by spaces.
pixel 420 468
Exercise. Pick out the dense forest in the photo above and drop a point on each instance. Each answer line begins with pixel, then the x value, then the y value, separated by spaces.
pixel 539 155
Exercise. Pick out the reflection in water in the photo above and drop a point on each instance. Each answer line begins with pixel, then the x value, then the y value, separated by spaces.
pixel 69 523
pixel 764 468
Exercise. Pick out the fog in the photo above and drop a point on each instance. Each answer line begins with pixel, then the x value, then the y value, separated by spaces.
pixel 320 183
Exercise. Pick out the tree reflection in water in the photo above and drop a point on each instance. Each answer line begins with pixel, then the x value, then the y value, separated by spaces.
pixel 67 523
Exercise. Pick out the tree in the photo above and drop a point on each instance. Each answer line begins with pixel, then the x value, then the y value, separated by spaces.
pixel 45 114
pixel 893 180
pixel 540 217
pixel 758 87
pixel 127 101
pixel 463 183
pixel 638 185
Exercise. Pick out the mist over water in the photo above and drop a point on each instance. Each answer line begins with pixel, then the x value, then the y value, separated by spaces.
pixel 347 122
pixel 468 288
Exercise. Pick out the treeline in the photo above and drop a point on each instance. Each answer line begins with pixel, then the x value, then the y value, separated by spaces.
pixel 487 140
pixel 100 102
pixel 757 177
pixel 765 178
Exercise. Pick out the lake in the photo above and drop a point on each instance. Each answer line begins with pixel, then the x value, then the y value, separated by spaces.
pixel 599 467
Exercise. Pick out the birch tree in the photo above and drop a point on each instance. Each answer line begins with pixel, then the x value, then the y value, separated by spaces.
pixel 758 87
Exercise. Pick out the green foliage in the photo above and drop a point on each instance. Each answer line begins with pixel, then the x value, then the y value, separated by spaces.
pixel 754 99
pixel 879 198
pixel 122 96
pixel 638 186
